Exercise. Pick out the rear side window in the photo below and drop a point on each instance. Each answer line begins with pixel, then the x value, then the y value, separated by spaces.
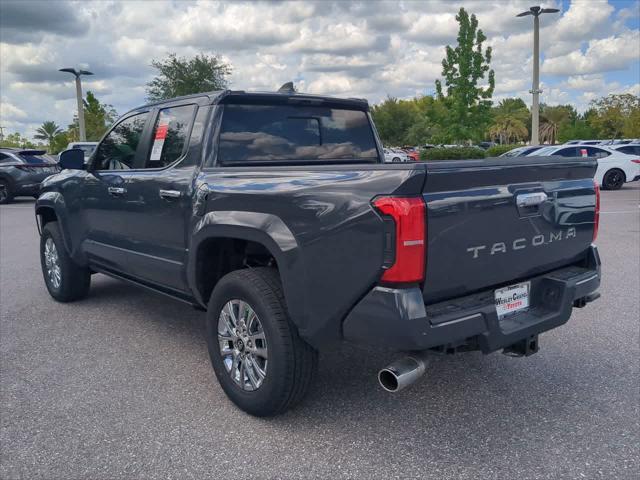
pixel 630 149
pixel 568 152
pixel 272 133
pixel 5 158
pixel 170 135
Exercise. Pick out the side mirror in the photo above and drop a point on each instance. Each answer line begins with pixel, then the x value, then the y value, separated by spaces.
pixel 72 159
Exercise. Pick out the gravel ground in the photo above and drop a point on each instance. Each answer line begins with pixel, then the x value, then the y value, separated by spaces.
pixel 119 386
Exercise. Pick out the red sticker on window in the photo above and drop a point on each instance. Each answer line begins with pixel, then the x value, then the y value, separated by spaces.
pixel 161 132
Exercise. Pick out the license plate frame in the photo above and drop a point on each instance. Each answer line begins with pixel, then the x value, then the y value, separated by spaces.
pixel 512 299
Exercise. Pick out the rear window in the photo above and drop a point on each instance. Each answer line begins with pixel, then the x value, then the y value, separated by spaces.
pixel 34 158
pixel 272 133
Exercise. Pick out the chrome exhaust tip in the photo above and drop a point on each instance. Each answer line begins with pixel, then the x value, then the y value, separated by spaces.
pixel 402 373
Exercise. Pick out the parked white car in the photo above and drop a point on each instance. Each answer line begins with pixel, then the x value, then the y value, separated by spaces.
pixel 614 168
pixel 393 155
pixel 629 149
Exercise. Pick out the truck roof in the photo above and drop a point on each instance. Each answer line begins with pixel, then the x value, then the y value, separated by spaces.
pixel 242 96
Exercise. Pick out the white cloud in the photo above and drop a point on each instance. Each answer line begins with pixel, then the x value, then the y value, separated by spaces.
pixel 360 49
pixel 607 54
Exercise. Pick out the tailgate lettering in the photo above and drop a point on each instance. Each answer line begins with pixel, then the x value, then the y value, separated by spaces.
pixel 522 243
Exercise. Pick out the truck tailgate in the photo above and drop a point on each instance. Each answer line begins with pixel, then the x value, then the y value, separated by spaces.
pixel 493 222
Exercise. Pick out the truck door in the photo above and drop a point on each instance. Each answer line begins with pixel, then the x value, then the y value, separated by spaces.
pixel 159 196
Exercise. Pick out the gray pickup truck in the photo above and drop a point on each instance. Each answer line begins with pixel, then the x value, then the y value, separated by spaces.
pixel 276 213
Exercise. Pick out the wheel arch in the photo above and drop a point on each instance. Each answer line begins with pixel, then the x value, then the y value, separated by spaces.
pixel 226 241
pixel 50 207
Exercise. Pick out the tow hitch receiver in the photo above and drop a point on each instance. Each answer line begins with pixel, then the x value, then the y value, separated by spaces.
pixel 523 348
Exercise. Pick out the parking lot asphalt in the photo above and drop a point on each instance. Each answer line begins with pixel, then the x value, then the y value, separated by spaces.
pixel 119 386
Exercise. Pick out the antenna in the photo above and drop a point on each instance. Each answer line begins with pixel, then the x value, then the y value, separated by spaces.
pixel 287 88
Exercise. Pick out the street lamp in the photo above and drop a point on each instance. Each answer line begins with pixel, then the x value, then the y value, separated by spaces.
pixel 77 73
pixel 535 89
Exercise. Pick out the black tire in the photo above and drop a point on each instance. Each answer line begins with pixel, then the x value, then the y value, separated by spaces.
pixel 75 280
pixel 614 179
pixel 292 363
pixel 6 195
pixel 395 160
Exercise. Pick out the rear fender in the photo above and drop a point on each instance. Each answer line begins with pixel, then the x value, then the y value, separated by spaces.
pixel 265 229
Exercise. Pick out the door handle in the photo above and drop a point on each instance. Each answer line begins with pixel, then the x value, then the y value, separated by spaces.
pixel 116 191
pixel 170 194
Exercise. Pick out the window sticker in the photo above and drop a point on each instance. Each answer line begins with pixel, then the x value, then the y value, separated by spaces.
pixel 158 142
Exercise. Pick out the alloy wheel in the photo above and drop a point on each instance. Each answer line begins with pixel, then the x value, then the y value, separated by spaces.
pixel 52 263
pixel 243 345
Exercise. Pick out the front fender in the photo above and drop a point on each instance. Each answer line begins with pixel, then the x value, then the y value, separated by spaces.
pixel 55 201
pixel 265 229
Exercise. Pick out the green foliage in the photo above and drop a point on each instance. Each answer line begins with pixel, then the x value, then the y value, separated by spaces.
pixel 552 119
pixel 510 120
pixel 98 117
pixel 468 104
pixel 59 143
pixel 454 153
pixel 183 76
pixel 48 131
pixel 15 140
pixel 498 150
pixel 393 119
pixel 616 115
pixel 578 130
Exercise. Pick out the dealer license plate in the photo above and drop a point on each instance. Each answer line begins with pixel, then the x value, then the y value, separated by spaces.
pixel 512 299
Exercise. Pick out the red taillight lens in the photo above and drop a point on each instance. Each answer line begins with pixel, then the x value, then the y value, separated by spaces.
pixel 408 214
pixel 596 219
pixel 636 160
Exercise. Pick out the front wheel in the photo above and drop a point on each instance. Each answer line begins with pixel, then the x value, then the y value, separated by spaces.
pixel 65 280
pixel 262 364
pixel 613 179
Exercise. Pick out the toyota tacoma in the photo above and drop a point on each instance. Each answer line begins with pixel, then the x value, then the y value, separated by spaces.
pixel 276 213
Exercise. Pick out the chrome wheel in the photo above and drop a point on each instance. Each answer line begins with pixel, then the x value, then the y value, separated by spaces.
pixel 52 263
pixel 243 345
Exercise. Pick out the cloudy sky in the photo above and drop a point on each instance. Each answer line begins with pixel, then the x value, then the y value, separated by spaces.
pixel 364 49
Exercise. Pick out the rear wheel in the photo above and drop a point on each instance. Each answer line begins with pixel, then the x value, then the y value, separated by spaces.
pixel 395 160
pixel 6 195
pixel 65 280
pixel 613 179
pixel 262 364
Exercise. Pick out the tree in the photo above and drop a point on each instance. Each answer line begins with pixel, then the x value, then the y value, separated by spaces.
pixel 614 114
pixel 510 119
pixel 15 140
pixel 183 76
pixel 97 119
pixel 552 119
pixel 464 67
pixel 393 118
pixel 48 131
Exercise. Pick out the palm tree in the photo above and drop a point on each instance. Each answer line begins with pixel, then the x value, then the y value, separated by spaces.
pixel 506 127
pixel 48 131
pixel 552 117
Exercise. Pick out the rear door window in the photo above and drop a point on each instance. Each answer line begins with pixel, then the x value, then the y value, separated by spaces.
pixel 597 152
pixel 35 157
pixel 273 133
pixel 170 135
pixel 568 152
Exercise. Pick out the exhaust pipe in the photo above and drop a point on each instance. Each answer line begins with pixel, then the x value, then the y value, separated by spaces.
pixel 404 372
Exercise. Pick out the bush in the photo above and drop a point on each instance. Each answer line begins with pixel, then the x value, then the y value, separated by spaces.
pixel 454 153
pixel 498 150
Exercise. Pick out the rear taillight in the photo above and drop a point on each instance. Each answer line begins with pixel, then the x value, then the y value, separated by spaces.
pixel 596 218
pixel 636 160
pixel 406 262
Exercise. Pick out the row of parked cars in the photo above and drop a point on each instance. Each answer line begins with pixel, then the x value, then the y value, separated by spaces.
pixel 618 163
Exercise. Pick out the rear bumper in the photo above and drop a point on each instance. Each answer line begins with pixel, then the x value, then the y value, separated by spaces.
pixel 636 178
pixel 398 318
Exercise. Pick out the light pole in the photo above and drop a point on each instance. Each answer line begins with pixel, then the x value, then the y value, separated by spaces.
pixel 535 88
pixel 77 73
